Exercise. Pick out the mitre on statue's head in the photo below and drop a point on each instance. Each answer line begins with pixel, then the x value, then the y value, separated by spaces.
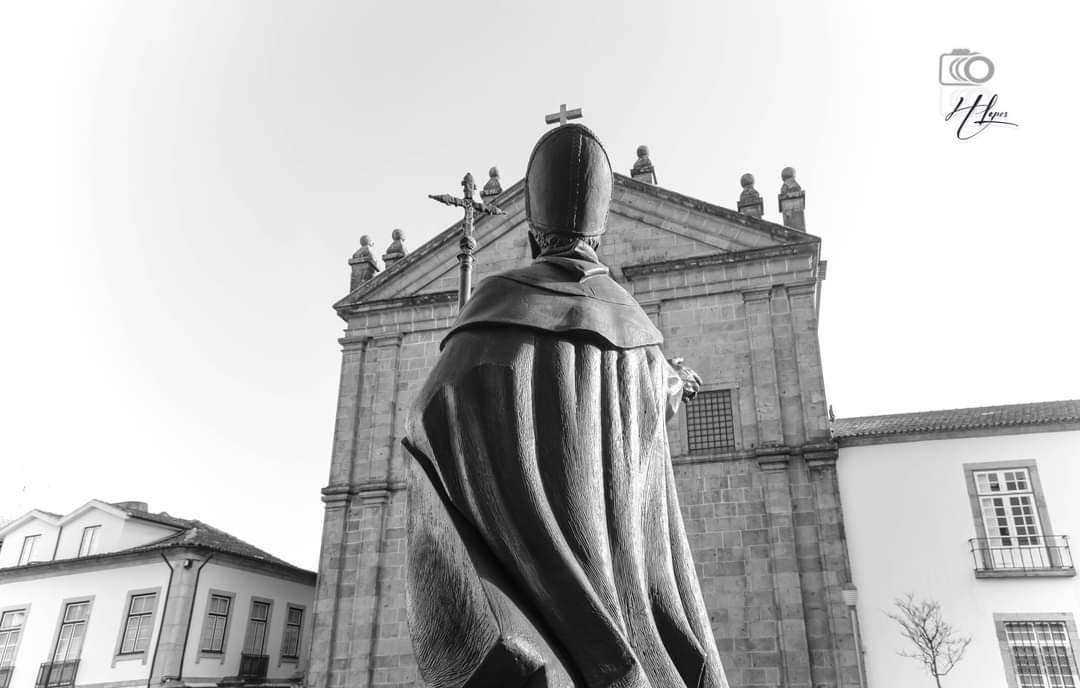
pixel 568 183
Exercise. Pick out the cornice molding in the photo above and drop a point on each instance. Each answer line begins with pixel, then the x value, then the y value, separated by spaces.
pixel 725 257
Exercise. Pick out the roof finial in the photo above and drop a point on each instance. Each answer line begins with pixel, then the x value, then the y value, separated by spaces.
pixel 792 200
pixel 643 169
pixel 750 202
pixel 396 251
pixel 363 264
pixel 493 187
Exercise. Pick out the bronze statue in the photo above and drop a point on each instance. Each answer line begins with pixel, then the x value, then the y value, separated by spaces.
pixel 545 543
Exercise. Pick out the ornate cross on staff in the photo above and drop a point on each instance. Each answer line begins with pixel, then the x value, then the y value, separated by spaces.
pixel 467 243
pixel 563 115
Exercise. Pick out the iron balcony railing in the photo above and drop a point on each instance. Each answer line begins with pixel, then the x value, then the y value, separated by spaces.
pixel 5 675
pixel 57 674
pixel 253 667
pixel 1021 554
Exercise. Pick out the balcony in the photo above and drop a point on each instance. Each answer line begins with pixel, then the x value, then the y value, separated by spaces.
pixel 5 675
pixel 1017 557
pixel 57 674
pixel 253 667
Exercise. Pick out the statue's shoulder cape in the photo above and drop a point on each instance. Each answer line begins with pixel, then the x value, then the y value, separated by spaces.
pixel 563 296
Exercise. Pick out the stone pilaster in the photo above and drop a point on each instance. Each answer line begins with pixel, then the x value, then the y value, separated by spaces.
pixel 785 577
pixel 763 367
pixel 332 590
pixel 802 297
pixel 186 566
pixel 836 571
pixel 787 369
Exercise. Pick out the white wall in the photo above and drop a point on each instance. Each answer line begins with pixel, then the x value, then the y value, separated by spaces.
pixel 117 532
pixel 245 584
pixel 109 589
pixel 13 542
pixel 908 519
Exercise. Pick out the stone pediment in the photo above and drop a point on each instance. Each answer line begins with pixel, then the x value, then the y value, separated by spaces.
pixel 647 224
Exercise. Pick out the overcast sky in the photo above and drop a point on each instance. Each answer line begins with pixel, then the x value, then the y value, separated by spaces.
pixel 181 185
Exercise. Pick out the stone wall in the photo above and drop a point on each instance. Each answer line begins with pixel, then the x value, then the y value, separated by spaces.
pixel 764 520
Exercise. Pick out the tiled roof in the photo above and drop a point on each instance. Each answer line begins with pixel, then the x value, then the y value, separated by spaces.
pixel 1013 415
pixel 199 534
pixel 189 533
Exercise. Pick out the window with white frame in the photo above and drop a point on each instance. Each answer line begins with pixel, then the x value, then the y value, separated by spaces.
pixel 72 632
pixel 217 620
pixel 1007 502
pixel 1041 654
pixel 11 623
pixel 255 643
pixel 290 639
pixel 138 624
pixel 88 543
pixel 29 544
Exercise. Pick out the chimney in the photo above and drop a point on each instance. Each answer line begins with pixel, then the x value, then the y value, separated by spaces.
pixel 493 187
pixel 362 263
pixel 643 170
pixel 133 506
pixel 750 202
pixel 792 200
pixel 396 251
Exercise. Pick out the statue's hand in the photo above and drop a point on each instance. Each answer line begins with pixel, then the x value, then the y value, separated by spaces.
pixel 690 379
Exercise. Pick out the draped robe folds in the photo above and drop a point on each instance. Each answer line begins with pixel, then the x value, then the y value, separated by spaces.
pixel 545 542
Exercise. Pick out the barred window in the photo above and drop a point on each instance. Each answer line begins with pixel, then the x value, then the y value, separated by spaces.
pixel 1042 655
pixel 710 422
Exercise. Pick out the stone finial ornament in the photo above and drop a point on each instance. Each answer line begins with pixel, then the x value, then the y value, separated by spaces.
pixel 468 185
pixel 493 187
pixel 362 263
pixel 792 200
pixel 750 201
pixel 643 169
pixel 396 251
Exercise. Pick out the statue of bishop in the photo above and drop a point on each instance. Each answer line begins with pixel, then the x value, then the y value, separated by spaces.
pixel 545 543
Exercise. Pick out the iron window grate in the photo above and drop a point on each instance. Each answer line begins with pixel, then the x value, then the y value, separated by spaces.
pixel 710 422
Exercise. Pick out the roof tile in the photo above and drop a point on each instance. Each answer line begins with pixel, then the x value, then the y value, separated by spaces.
pixel 1039 413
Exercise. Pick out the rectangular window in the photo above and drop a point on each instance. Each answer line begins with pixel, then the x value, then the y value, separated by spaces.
pixel 290 640
pixel 710 422
pixel 72 632
pixel 1007 501
pixel 138 626
pixel 26 554
pixel 1042 656
pixel 1013 535
pixel 88 544
pixel 255 644
pixel 11 623
pixel 217 620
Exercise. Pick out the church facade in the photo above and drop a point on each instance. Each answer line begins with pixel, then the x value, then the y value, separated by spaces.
pixel 737 297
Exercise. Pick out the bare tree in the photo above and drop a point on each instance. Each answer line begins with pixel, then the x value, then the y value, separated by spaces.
pixel 937 644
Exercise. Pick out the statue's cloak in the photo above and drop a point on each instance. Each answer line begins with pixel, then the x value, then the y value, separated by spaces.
pixel 544 527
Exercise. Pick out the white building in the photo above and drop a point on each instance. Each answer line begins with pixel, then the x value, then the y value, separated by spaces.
pixel 972 508
pixel 111 595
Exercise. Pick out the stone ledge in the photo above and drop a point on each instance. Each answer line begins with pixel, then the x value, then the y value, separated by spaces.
pixel 633 271
pixel 1069 572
